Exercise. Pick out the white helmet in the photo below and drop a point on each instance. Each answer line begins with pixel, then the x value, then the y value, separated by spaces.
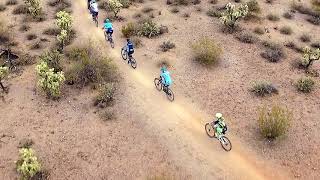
pixel 218 115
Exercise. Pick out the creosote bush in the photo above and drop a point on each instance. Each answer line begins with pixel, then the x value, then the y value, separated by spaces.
pixel 286 30
pixel 129 30
pixel 273 17
pixel 166 46
pixel 273 52
pixel 27 164
pixel 263 88
pixel 275 122
pixel 305 84
pixel 106 95
pixel 206 51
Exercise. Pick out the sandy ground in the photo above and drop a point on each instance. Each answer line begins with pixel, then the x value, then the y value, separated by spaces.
pixel 153 135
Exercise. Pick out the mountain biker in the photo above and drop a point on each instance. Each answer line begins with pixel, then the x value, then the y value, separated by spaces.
pixel 94 8
pixel 219 125
pixel 107 26
pixel 165 77
pixel 130 48
pixel 89 1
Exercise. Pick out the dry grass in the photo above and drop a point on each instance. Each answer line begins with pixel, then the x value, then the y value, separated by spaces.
pixel 20 9
pixel 273 52
pixel 206 51
pixel 258 30
pixel 51 31
pixel 166 46
pixel 31 37
pixel 263 88
pixel 247 37
pixel 11 2
pixel 288 15
pixel 24 28
pixel 305 38
pixel 273 17
pixel 287 30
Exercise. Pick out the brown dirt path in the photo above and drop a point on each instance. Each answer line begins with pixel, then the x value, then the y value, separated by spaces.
pixel 180 123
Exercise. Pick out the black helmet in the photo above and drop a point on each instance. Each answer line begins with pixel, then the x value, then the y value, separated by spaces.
pixel 128 39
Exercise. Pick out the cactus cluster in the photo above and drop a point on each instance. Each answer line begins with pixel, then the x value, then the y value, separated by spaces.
pixel 233 14
pixel 27 164
pixel 64 22
pixel 115 6
pixel 34 7
pixel 309 56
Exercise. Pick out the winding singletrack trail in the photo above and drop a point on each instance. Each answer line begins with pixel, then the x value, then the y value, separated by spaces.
pixel 179 123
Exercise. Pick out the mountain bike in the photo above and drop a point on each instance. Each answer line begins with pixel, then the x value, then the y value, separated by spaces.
pixel 95 19
pixel 224 141
pixel 108 37
pixel 160 86
pixel 126 56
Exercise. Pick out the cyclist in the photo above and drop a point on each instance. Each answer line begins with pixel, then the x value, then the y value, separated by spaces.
pixel 130 48
pixel 219 125
pixel 165 77
pixel 94 8
pixel 89 1
pixel 107 26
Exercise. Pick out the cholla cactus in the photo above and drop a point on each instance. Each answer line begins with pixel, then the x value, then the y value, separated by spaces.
pixel 115 6
pixel 34 7
pixel 49 81
pixel 149 29
pixel 27 164
pixel 309 56
pixel 64 21
pixel 233 14
pixel 62 37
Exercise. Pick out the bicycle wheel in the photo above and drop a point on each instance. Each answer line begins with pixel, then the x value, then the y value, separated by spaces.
pixel 170 95
pixel 96 21
pixel 133 63
pixel 111 42
pixel 124 54
pixel 209 130
pixel 225 143
pixel 158 84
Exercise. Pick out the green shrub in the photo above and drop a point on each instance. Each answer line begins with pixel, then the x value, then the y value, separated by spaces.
pixel 247 37
pixel 262 88
pixel 286 30
pixel 305 84
pixel 49 81
pixel 305 38
pixel 273 17
pixel 149 29
pixel 106 95
pixel 233 14
pixel 206 51
pixel 53 60
pixel 274 123
pixel 258 30
pixel 129 30
pixel 27 164
pixel 166 46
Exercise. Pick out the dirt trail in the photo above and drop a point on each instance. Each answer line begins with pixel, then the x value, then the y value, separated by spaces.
pixel 180 123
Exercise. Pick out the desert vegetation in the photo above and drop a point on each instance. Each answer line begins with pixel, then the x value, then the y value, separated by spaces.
pixel 206 51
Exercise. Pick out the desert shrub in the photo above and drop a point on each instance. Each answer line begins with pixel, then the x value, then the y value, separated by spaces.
pixel 288 15
pixel 125 3
pixel 182 2
pixel 11 2
pixel 275 122
pixel 20 9
pixel 213 1
pixel 4 71
pixel 52 59
pixel 314 20
pixel 24 27
pixel 149 29
pixel 108 115
pixel 305 38
pixel 206 51
pixel 253 6
pixel 27 164
pixel 164 62
pixel 129 30
pixel 5 36
pixel 147 9
pixel 59 3
pixel 2 7
pixel 316 5
pixel 186 15
pixel 198 8
pixel 237 1
pixel 269 1
pixel 49 81
pixel 136 42
pixel 293 46
pixel 25 143
pixel 286 30
pixel 305 84
pixel 166 46
pixel 31 36
pixel 36 45
pixel 115 6
pixel 273 52
pixel 258 30
pixel 174 10
pixel 315 45
pixel 163 29
pixel 64 22
pixel 214 13
pixel 273 17
pixel 34 7
pixel 106 95
pixel 26 59
pixel 246 37
pixel 262 88
pixel 233 14
pixel 89 68
pixel 51 31
pixel 137 15
pixel 309 56
pixel 301 8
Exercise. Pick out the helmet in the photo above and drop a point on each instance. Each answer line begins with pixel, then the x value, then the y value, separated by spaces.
pixel 107 20
pixel 218 115
pixel 128 39
pixel 92 1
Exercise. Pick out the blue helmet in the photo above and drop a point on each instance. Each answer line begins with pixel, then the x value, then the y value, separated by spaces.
pixel 107 20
